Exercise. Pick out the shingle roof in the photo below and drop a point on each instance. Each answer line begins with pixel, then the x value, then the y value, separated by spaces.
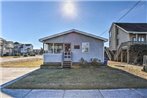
pixel 75 31
pixel 136 27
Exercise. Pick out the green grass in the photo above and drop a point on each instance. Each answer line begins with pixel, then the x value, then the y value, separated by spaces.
pixel 79 78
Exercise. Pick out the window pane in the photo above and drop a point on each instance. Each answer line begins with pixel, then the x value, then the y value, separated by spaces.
pixel 85 47
pixel 58 48
pixel 50 48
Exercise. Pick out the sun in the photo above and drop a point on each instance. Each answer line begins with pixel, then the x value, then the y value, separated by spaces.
pixel 69 8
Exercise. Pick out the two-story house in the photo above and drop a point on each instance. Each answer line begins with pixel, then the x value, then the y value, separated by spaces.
pixel 128 41
pixel 6 47
pixel 26 48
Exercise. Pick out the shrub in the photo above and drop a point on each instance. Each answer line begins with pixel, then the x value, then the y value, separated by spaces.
pixel 25 55
pixel 17 54
pixel 96 62
pixel 32 54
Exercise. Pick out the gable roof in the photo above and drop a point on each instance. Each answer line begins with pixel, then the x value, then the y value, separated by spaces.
pixel 75 31
pixel 133 27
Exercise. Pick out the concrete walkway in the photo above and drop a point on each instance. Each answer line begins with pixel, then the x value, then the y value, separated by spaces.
pixel 48 93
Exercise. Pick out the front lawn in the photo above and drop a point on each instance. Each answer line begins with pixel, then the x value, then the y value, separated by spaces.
pixel 36 62
pixel 79 78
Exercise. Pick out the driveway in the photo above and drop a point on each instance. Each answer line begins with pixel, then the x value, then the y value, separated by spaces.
pixel 9 74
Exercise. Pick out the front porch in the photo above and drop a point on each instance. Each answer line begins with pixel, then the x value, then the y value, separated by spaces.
pixel 58 53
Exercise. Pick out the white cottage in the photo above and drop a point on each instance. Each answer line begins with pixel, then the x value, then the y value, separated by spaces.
pixel 70 46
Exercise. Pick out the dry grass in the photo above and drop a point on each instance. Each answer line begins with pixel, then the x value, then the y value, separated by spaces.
pixel 132 69
pixel 36 62
pixel 101 77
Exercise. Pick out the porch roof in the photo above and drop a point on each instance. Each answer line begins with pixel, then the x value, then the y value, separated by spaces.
pixel 75 31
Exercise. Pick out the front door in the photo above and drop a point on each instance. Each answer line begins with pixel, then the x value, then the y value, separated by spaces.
pixel 67 52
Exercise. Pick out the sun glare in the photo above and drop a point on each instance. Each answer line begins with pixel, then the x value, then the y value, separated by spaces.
pixel 69 8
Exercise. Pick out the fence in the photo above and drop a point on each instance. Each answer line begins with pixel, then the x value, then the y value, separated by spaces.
pixel 145 60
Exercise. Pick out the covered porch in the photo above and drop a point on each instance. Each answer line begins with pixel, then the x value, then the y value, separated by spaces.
pixel 58 53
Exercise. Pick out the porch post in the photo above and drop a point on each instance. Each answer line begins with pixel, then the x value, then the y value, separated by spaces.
pixel 136 37
pixel 43 46
pixel 53 48
pixel 146 37
pixel 122 56
pixel 128 57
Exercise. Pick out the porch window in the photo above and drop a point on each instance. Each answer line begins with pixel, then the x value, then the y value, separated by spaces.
pixel 133 39
pixel 58 48
pixel 50 47
pixel 85 47
pixel 142 39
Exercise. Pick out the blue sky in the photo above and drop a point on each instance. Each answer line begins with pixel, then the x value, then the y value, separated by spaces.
pixel 26 22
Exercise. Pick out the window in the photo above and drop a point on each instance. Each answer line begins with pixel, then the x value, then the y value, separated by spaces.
pixel 58 48
pixel 117 42
pixel 141 39
pixel 50 47
pixel 133 38
pixel 76 46
pixel 85 46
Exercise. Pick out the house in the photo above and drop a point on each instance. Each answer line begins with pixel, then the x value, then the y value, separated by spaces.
pixel 26 48
pixel 71 46
pixel 17 46
pixel 128 42
pixel 6 47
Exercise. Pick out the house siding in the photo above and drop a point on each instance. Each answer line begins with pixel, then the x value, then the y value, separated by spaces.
pixel 96 47
pixel 119 35
pixel 122 37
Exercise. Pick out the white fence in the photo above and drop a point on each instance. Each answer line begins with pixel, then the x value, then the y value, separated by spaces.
pixel 145 60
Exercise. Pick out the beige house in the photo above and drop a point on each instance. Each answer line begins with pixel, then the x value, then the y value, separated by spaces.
pixel 124 36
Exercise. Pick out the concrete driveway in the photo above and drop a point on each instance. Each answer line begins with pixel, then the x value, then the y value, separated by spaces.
pixel 9 74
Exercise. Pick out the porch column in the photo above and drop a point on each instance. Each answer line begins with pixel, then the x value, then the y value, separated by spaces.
pixel 43 46
pixel 53 48
pixel 136 37
pixel 128 57
pixel 122 56
pixel 146 37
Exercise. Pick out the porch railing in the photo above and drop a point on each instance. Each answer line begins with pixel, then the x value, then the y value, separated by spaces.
pixel 128 43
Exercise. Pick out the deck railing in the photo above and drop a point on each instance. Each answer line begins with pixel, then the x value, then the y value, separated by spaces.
pixel 128 43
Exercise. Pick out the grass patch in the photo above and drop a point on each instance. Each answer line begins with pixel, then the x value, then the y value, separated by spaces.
pixel 102 77
pixel 23 63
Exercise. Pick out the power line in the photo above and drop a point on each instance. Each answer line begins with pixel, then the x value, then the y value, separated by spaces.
pixel 124 15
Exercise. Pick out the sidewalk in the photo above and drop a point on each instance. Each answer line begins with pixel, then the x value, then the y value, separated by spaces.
pixel 48 93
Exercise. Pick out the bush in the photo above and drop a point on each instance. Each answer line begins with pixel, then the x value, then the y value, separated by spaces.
pixel 145 68
pixel 96 62
pixel 17 54
pixel 25 55
pixel 32 54
pixel 6 54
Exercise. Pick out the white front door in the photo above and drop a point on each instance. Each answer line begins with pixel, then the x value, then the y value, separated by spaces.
pixel 67 52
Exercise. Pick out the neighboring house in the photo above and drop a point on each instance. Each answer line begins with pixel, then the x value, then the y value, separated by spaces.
pixel 128 41
pixel 17 46
pixel 71 46
pixel 37 51
pixel 6 47
pixel 26 48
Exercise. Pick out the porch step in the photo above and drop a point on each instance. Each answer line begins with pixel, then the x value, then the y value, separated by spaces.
pixel 67 64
